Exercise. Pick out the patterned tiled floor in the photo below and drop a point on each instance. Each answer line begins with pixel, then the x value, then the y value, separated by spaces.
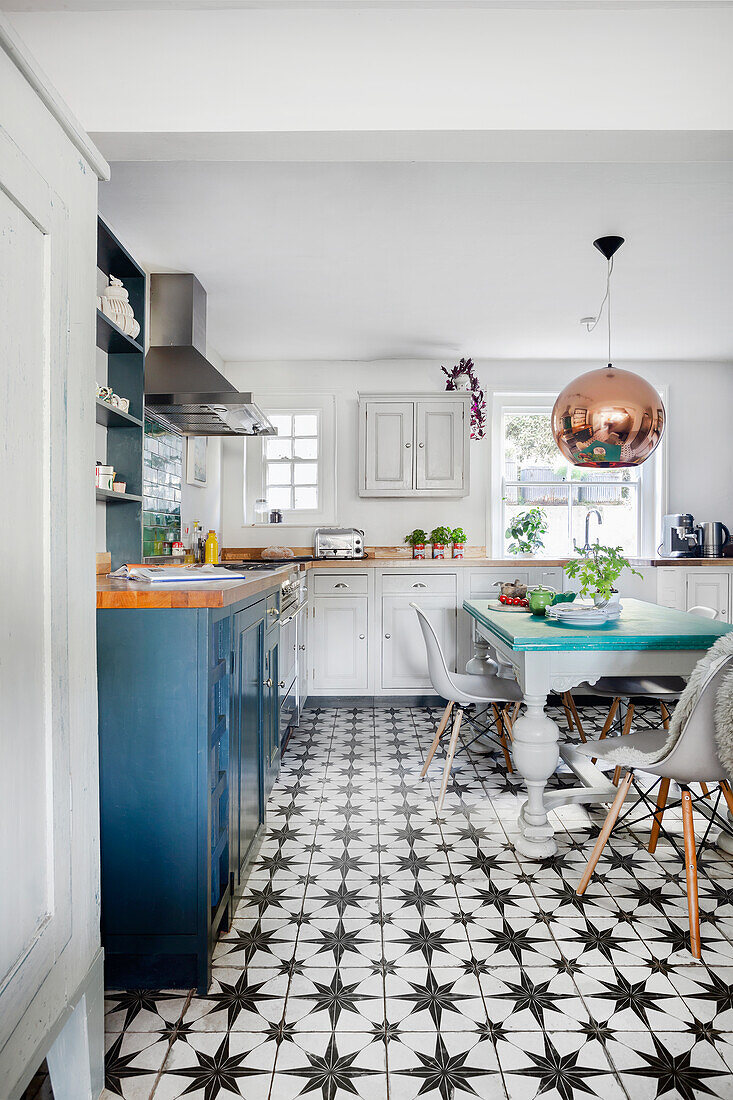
pixel 385 950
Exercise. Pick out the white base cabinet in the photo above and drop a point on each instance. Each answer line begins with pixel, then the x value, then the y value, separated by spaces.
pixel 698 586
pixel 404 661
pixel 338 645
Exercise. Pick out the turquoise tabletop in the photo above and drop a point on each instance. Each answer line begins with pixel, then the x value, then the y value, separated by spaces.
pixel 641 626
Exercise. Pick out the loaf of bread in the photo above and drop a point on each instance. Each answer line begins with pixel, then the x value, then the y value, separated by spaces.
pixel 277 552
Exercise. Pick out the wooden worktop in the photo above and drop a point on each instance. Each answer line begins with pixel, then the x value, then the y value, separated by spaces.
pixel 112 593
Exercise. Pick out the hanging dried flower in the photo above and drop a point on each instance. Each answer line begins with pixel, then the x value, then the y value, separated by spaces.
pixel 464 377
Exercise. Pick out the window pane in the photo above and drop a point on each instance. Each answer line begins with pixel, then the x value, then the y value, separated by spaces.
pixel 305 448
pixel 278 448
pixel 530 450
pixel 306 497
pixel 306 473
pixel 618 508
pixel 283 422
pixel 306 424
pixel 555 540
pixel 279 473
pixel 279 498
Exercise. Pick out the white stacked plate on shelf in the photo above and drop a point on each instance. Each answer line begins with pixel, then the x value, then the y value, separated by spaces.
pixel 572 614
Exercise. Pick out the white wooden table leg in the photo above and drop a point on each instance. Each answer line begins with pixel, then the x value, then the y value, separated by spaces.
pixel 536 757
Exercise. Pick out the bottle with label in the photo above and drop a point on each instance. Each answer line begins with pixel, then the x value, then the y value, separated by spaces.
pixel 211 554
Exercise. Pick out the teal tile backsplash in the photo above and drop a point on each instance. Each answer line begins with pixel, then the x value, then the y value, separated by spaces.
pixel 162 481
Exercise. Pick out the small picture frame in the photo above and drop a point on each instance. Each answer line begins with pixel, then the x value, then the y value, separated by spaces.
pixel 196 455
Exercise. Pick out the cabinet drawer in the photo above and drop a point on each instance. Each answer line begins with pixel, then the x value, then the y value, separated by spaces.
pixel 343 583
pixel 416 584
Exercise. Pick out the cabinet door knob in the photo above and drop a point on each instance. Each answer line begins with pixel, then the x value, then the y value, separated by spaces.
pixel 268 682
pixel 388 635
pixel 273 611
pixel 421 444
pixel 362 637
pixel 408 445
pixel 282 683
pixel 419 584
pixel 341 585
pixel 301 647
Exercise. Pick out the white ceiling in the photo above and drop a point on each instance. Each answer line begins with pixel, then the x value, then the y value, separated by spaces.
pixel 362 261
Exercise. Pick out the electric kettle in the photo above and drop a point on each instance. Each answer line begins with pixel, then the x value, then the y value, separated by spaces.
pixel 714 537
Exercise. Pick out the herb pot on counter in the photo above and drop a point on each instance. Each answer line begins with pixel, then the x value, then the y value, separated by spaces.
pixel 458 549
pixel 418 551
pixel 438 550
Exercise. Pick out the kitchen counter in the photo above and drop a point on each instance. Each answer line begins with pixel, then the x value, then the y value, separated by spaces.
pixel 119 593
pixel 114 593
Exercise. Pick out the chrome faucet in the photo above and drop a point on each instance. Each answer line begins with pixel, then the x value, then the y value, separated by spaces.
pixel 588 514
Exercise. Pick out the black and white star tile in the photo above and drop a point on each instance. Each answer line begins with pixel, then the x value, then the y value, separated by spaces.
pixel 385 950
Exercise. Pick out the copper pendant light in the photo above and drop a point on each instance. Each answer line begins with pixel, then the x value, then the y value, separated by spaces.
pixel 608 417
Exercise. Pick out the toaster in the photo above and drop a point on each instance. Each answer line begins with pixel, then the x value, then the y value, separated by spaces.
pixel 338 542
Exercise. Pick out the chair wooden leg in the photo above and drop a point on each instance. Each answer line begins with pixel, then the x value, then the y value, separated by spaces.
pixel 624 731
pixel 449 758
pixel 659 813
pixel 499 718
pixel 609 721
pixel 608 825
pixel 436 739
pixel 568 712
pixel 665 714
pixel 705 790
pixel 727 794
pixel 576 717
pixel 691 874
pixel 509 720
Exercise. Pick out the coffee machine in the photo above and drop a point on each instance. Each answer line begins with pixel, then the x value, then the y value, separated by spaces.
pixel 681 536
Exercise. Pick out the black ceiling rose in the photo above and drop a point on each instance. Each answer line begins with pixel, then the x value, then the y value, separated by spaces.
pixel 608 245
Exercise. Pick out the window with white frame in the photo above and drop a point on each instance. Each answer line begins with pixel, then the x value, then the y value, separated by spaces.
pixel 529 471
pixel 294 471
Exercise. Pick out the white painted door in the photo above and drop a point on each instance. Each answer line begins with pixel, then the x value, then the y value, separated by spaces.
pixel 708 588
pixel 303 666
pixel 440 441
pixel 50 959
pixel 339 645
pixel 672 587
pixel 404 662
pixel 389 458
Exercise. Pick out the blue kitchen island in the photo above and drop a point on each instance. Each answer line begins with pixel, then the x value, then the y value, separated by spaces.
pixel 189 749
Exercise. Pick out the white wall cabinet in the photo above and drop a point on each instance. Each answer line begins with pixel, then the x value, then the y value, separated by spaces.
pixel 414 446
pixel 338 645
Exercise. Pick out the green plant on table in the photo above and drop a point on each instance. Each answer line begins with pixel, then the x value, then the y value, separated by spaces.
pixel 458 535
pixel 418 537
pixel 526 531
pixel 598 569
pixel 440 536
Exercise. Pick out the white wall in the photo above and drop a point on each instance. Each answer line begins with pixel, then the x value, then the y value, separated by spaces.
pixel 700 401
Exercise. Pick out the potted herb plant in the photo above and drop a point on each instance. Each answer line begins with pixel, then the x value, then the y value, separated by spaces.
pixel 598 569
pixel 417 539
pixel 458 539
pixel 526 531
pixel 440 537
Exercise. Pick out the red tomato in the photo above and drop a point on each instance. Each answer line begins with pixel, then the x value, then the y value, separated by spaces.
pixel 502 599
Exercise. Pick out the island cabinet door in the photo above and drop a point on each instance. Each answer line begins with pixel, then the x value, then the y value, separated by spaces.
pixel 271 711
pixel 247 722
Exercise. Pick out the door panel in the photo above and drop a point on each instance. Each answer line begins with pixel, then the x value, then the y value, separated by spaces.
pixel 249 640
pixel 339 645
pixel 404 660
pixel 708 589
pixel 440 437
pixel 389 445
pixel 35 810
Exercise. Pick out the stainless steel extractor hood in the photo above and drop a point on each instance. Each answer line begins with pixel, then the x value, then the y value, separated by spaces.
pixel 182 387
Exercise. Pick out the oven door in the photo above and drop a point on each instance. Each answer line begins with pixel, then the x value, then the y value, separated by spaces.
pixel 289 709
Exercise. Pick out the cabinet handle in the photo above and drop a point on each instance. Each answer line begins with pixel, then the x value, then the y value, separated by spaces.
pixel 421 444
pixel 341 585
pixel 282 683
pixel 301 647
pixel 362 637
pixel 272 611
pixel 268 682
pixel 419 584
pixel 408 445
pixel 388 635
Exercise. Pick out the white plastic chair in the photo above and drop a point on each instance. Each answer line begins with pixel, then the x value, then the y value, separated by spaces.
pixel 692 759
pixel 461 690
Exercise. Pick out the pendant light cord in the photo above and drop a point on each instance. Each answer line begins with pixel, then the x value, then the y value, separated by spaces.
pixel 607 303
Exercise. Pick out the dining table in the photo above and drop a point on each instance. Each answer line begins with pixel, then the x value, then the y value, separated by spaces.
pixel 549 656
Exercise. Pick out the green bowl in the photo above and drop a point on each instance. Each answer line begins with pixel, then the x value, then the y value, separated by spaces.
pixel 563 597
